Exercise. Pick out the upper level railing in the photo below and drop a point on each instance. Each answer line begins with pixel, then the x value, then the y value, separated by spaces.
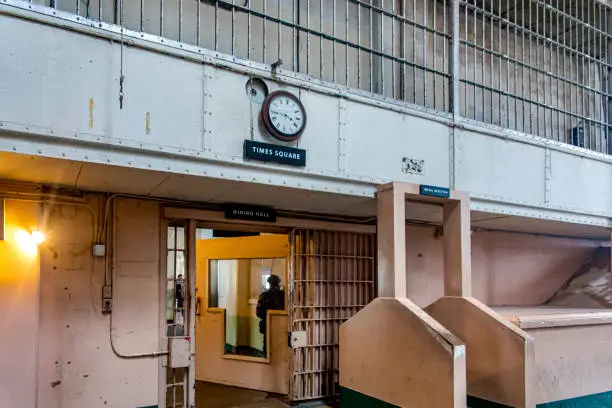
pixel 535 66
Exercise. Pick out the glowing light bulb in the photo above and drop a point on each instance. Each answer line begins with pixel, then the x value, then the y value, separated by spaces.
pixel 38 237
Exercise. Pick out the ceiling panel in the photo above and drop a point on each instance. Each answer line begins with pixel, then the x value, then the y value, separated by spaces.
pixel 39 169
pixel 97 177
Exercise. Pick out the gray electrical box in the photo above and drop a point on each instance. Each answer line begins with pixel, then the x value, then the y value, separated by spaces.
pixel 179 352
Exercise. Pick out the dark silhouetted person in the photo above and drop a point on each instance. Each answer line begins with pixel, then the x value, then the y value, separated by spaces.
pixel 271 299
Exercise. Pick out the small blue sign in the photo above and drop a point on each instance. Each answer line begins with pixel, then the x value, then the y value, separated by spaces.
pixel 434 191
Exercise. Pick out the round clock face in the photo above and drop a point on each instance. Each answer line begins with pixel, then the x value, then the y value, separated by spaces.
pixel 284 116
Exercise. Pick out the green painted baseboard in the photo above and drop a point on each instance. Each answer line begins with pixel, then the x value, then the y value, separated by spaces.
pixel 602 400
pixel 351 398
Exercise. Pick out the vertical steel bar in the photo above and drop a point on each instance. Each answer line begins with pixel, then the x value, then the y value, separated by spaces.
pixel 499 63
pixel 295 35
pixel 371 46
pixel 198 22
pixel 248 30
pixel 467 60
pixel 265 26
pixel 583 70
pixel 381 34
pixel 307 37
pixel 217 26
pixel 321 39
pixel 141 14
pixel 346 47
pixel 334 77
pixel 474 67
pixel 180 33
pixel 589 112
pixel 491 57
pixel 454 58
pixel 414 69
pixel 445 44
pixel 537 96
pixel 359 43
pixel 279 32
pixel 161 16
pixel 508 63
pixel 393 63
pixel 435 54
pixel 483 68
pixel 559 103
pixel 404 46
pixel 233 27
pixel 425 61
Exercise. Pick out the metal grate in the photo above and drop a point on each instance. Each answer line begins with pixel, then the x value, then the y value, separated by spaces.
pixel 539 67
pixel 332 276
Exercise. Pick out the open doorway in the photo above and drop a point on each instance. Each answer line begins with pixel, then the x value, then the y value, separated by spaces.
pixel 241 324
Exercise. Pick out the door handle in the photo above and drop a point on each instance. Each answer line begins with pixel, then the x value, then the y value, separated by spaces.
pixel 198 305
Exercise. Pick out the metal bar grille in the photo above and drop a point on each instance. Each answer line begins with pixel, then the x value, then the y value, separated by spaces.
pixel 538 67
pixel 332 276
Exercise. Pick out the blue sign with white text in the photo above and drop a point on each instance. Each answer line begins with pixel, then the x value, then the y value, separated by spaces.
pixel 434 191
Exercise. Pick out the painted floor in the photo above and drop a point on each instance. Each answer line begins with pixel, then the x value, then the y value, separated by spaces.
pixel 220 396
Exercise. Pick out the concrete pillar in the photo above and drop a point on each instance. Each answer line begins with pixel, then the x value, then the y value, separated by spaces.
pixel 391 235
pixel 457 247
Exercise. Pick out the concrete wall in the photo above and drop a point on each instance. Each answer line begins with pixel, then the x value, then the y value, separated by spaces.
pixel 77 367
pixel 19 275
pixel 507 268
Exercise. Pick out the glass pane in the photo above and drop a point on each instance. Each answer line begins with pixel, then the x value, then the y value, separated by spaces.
pixel 170 265
pixel 180 265
pixel 180 238
pixel 247 289
pixel 170 301
pixel 171 232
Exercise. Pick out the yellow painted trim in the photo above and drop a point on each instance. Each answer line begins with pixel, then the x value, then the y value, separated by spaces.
pixel 257 247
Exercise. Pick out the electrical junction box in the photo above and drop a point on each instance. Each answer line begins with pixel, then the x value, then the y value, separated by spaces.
pixel 298 339
pixel 99 250
pixel 179 352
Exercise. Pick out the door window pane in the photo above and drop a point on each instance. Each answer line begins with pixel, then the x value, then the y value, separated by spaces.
pixel 247 289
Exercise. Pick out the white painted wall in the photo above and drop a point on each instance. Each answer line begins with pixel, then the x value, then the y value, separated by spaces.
pixel 75 350
pixel 19 274
pixel 507 268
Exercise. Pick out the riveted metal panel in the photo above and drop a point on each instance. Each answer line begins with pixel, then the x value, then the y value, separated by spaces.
pixel 378 140
pixel 61 81
pixel 581 184
pixel 163 100
pixel 496 168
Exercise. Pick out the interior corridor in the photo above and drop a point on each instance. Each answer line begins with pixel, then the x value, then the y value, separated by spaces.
pixel 209 395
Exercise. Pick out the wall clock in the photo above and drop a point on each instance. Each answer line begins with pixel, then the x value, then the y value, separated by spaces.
pixel 283 116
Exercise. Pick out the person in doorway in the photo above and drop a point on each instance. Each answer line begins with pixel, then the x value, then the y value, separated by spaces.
pixel 271 299
pixel 180 299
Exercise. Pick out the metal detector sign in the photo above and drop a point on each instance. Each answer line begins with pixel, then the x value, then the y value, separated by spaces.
pixel 249 213
pixel 435 191
pixel 266 152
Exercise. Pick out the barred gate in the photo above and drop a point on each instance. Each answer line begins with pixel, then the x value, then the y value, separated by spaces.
pixel 332 276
